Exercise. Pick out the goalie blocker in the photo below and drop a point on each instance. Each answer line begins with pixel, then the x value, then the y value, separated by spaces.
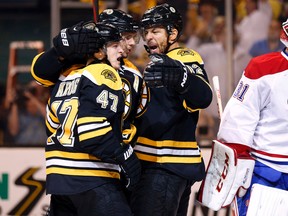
pixel 228 174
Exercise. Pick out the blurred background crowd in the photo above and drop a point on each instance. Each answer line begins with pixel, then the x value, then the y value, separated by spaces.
pixel 26 29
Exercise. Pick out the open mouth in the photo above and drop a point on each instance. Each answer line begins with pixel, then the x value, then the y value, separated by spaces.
pixel 153 48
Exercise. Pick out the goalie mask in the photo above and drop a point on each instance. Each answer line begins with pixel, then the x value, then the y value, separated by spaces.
pixel 284 33
pixel 163 15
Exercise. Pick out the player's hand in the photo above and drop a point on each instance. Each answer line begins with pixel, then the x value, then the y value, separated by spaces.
pixel 163 71
pixel 130 165
pixel 76 42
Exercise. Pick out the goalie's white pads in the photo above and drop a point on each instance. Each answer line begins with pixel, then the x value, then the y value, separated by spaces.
pixel 266 201
pixel 226 173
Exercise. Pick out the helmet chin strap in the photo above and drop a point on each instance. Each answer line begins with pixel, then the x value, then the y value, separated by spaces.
pixel 169 44
pixel 169 31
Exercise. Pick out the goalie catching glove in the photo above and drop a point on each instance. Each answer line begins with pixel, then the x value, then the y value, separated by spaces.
pixel 130 165
pixel 76 42
pixel 164 71
pixel 229 173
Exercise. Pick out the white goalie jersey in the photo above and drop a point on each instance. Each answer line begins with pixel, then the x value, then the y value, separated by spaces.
pixel 257 113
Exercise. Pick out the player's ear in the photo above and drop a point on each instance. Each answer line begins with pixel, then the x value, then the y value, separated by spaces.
pixel 99 55
pixel 173 35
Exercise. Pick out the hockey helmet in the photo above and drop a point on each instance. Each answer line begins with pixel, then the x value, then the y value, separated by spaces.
pixel 163 15
pixel 104 33
pixel 123 21
pixel 284 33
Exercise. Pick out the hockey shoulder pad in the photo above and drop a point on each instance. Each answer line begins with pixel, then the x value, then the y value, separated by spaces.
pixel 227 172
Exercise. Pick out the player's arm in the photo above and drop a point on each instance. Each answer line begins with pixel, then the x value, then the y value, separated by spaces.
pixel 188 80
pixel 70 46
pixel 199 94
pixel 99 103
pixel 47 66
pixel 52 122
pixel 242 112
pixel 99 128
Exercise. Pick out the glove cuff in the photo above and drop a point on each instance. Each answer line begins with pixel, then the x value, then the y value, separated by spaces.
pixel 184 83
pixel 123 153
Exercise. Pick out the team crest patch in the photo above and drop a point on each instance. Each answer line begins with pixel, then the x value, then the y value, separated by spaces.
pixel 108 74
pixel 184 52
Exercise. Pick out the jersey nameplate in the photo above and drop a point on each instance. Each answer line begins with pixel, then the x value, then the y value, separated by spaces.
pixel 67 88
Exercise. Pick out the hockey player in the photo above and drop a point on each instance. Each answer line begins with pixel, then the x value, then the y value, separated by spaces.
pixel 84 154
pixel 131 77
pixel 177 89
pixel 254 123
pixel 48 67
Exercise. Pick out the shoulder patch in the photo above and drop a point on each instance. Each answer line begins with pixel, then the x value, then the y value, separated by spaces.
pixel 185 55
pixel 103 74
pixel 184 52
pixel 108 74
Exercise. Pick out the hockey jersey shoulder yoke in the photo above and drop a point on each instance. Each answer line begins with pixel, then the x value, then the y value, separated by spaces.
pixel 185 55
pixel 266 65
pixel 103 74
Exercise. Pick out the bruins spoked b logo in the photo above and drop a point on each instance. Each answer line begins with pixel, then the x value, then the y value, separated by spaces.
pixel 108 74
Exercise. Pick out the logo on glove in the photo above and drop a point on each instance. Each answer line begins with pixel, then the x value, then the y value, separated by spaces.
pixel 224 174
pixel 156 59
pixel 64 37
pixel 128 153
pixel 185 75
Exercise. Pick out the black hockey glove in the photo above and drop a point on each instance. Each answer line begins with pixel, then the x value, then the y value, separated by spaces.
pixel 167 72
pixel 76 42
pixel 129 164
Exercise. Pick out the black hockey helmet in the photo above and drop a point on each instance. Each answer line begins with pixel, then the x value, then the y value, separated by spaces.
pixel 163 15
pixel 123 21
pixel 104 33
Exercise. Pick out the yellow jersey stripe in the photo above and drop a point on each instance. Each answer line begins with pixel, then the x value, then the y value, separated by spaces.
pixel 90 119
pixel 52 130
pixel 42 81
pixel 80 172
pixel 94 133
pixel 71 155
pixel 167 143
pixel 168 159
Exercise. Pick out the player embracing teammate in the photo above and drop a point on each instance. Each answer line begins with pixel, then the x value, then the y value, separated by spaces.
pixel 163 128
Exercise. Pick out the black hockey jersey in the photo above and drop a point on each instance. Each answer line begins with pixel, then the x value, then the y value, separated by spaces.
pixel 167 121
pixel 46 69
pixel 132 82
pixel 84 121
